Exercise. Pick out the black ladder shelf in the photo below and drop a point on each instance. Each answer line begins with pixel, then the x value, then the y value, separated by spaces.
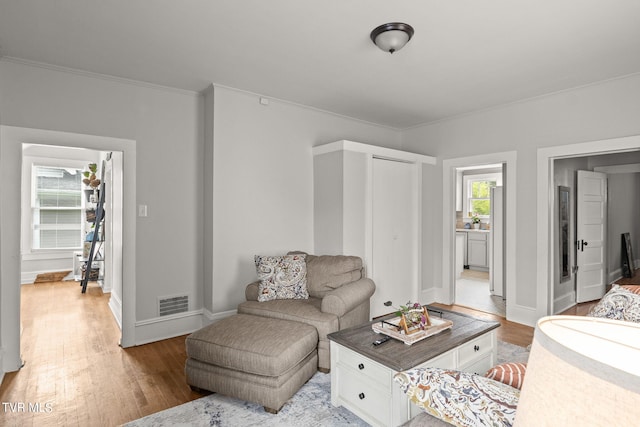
pixel 96 234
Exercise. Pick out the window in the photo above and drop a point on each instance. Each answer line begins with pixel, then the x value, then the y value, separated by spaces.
pixel 57 208
pixel 478 193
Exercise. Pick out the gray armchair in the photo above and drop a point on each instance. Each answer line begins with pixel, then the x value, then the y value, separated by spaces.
pixel 338 298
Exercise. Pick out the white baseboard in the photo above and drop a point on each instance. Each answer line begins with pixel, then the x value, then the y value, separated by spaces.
pixel 210 317
pixel 162 328
pixel 614 275
pixel 430 296
pixel 524 315
pixel 115 304
pixel 564 302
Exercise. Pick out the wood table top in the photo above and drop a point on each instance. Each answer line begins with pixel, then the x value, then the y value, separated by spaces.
pixel 399 356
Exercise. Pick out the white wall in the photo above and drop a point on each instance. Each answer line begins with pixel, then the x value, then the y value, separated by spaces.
pixel 622 217
pixel 263 182
pixel 606 110
pixel 166 126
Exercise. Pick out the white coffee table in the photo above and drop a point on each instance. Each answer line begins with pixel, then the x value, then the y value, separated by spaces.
pixel 362 374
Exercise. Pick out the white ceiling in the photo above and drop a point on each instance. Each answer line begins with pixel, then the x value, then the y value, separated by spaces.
pixel 466 55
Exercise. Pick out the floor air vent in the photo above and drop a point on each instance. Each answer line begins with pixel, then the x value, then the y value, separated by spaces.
pixel 173 305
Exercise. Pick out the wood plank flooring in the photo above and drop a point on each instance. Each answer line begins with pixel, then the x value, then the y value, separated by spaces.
pixel 74 363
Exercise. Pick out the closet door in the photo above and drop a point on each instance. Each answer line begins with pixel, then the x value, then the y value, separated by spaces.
pixel 394 239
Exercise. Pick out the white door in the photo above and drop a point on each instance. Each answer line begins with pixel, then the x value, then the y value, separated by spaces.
pixel 590 235
pixel 394 210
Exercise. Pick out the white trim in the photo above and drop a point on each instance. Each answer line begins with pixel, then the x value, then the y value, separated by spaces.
pixel 629 168
pixel 90 74
pixel 506 105
pixel 115 304
pixel 162 328
pixel 564 302
pixel 48 254
pixel 514 312
pixel 465 190
pixel 374 150
pixel 210 317
pixel 545 203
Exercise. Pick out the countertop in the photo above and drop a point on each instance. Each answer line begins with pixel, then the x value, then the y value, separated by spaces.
pixel 471 230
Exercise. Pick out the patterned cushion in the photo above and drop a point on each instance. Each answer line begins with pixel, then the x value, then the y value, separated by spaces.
pixel 508 373
pixel 620 304
pixel 282 277
pixel 460 398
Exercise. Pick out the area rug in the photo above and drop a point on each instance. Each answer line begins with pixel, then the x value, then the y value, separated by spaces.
pixel 310 407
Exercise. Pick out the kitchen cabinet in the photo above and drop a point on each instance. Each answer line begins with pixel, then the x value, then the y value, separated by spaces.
pixel 367 203
pixel 477 250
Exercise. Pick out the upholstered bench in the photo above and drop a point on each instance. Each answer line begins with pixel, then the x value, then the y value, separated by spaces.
pixel 253 358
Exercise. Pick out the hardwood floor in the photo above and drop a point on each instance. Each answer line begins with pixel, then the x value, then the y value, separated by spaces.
pixel 510 332
pixel 74 364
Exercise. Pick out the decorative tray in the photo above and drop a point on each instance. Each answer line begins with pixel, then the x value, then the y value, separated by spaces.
pixel 394 329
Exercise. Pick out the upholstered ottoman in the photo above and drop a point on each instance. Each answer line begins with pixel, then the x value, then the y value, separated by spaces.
pixel 252 358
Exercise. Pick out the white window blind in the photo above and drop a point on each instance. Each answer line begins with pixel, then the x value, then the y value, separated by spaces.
pixel 57 208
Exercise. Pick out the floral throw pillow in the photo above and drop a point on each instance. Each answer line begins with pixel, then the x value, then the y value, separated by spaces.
pixel 282 277
pixel 620 304
pixel 460 398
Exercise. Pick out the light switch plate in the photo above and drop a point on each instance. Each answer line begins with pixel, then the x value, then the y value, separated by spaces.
pixel 142 210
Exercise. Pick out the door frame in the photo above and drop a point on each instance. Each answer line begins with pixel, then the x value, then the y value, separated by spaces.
pixel 449 167
pixel 12 139
pixel 546 199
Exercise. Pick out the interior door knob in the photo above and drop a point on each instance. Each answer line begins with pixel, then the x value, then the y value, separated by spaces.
pixel 583 244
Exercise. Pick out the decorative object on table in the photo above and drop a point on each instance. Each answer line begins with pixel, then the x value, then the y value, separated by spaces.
pixel 414 317
pixel 582 371
pixel 412 324
pixel 475 219
pixel 467 226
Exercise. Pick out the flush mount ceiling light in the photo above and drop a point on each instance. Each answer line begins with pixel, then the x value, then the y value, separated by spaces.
pixel 392 37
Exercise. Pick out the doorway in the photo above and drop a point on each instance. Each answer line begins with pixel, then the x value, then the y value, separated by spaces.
pixel 479 260
pixel 547 249
pixel 450 173
pixel 594 262
pixel 55 234
pixel 12 140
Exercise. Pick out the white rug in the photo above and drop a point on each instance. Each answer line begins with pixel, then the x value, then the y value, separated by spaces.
pixel 310 407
